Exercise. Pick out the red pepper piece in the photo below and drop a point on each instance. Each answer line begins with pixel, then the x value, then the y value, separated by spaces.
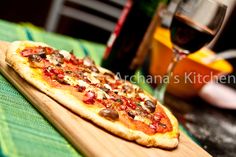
pixel 123 107
pixel 57 71
pixel 26 52
pixel 48 50
pixel 80 88
pixel 89 97
pixel 75 60
pixel 157 117
pixel 48 72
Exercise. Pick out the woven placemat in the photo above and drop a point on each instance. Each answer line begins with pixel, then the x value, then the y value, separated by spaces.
pixel 23 130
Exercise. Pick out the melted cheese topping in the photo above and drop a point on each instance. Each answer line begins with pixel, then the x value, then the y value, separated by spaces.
pixel 51 60
pixel 82 83
pixel 74 81
pixel 107 86
pixel 143 119
pixel 101 94
pixel 143 96
pixel 93 79
pixel 65 53
pixel 143 106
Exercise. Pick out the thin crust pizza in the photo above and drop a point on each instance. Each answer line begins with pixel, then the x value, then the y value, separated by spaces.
pixel 95 93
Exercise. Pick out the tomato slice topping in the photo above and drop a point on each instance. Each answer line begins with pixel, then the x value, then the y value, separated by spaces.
pixel 89 97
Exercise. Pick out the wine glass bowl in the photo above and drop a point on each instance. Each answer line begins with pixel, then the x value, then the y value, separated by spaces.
pixel 194 24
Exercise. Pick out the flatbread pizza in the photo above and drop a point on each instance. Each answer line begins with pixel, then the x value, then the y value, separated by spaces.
pixel 95 93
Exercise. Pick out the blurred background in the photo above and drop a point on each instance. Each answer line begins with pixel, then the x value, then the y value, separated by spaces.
pixel 69 17
pixel 76 17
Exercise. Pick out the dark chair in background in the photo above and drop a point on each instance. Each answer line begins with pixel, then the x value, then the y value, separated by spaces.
pixel 92 19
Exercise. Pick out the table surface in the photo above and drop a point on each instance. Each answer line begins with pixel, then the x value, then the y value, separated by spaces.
pixel 25 132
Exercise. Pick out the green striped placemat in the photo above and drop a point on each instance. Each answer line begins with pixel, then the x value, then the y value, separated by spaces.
pixel 23 130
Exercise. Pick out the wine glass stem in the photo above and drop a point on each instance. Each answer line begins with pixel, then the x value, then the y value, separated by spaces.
pixel 160 90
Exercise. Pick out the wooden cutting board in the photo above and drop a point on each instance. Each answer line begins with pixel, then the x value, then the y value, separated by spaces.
pixel 85 136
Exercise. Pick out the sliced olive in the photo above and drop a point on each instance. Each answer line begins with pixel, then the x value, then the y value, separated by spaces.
pixel 105 89
pixel 162 125
pixel 109 114
pixel 110 74
pixel 80 88
pixel 127 88
pixel 150 105
pixel 79 73
pixel 87 80
pixel 49 68
pixel 131 114
pixel 62 81
pixel 42 54
pixel 68 71
pixel 35 58
pixel 59 58
pixel 118 100
pixel 86 70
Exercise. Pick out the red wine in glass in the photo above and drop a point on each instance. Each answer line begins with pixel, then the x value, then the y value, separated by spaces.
pixel 194 24
pixel 188 35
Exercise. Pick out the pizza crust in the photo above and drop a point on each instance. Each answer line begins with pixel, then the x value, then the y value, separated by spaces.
pixel 21 66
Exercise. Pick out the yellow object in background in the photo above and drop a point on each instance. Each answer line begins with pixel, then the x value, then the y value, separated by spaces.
pixel 191 73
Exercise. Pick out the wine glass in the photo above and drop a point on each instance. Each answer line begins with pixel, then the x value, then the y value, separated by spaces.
pixel 194 24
